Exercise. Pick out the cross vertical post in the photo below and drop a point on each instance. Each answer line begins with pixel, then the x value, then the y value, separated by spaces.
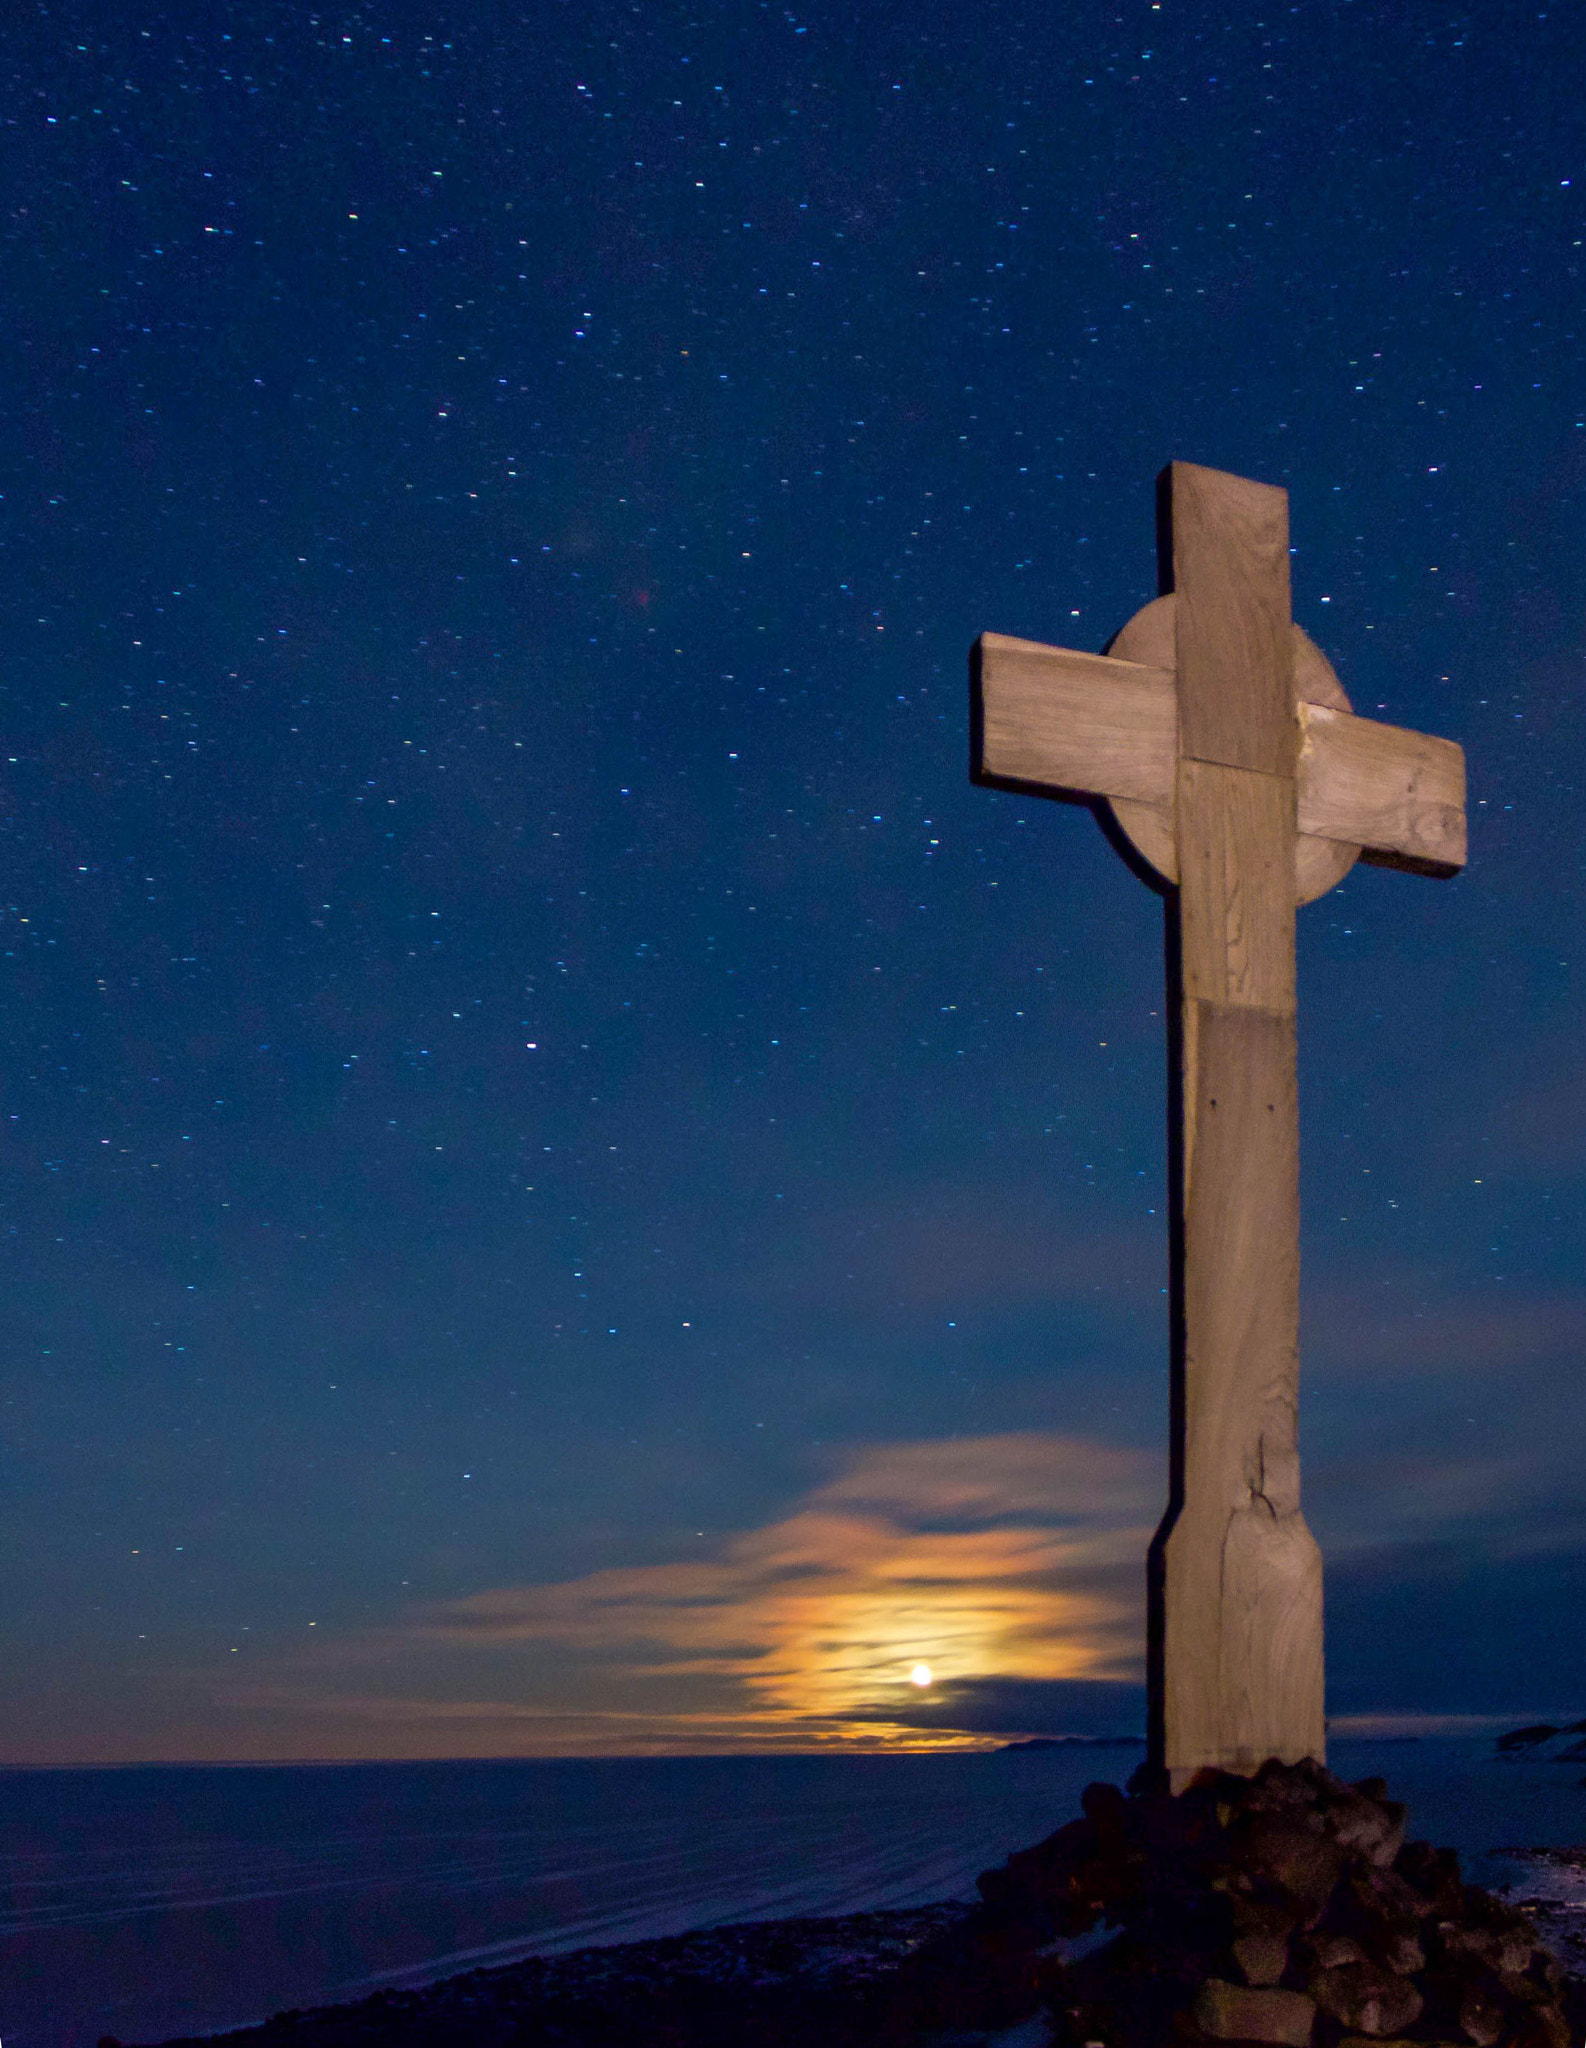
pixel 1238 1576
pixel 1216 739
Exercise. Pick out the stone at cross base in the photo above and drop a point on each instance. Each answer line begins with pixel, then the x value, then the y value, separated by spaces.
pixel 1216 734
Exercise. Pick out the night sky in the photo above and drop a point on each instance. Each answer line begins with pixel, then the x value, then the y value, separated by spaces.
pixel 569 1184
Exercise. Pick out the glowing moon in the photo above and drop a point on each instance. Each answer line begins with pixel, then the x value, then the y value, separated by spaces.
pixel 920 1675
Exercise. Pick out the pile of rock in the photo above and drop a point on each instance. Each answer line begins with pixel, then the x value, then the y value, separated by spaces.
pixel 1285 1908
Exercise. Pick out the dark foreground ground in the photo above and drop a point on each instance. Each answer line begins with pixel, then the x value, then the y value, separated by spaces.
pixel 784 1983
pixel 1287 1910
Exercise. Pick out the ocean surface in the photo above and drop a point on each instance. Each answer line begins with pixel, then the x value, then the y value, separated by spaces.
pixel 162 1900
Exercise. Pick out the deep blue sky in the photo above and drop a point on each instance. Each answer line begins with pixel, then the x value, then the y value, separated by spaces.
pixel 539 1102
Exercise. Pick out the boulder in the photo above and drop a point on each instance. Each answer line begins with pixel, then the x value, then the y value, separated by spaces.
pixel 1505 1949
pixel 1546 2027
pixel 1484 2014
pixel 1262 1958
pixel 1372 1827
pixel 1367 1996
pixel 1400 1950
pixel 1239 2012
pixel 1328 1951
pixel 1295 1855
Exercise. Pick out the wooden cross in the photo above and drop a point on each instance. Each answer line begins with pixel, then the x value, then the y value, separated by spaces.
pixel 1218 736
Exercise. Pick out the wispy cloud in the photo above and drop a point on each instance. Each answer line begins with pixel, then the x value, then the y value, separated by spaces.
pixel 1390 1727
pixel 990 1560
pixel 1389 1497
pixel 1354 1330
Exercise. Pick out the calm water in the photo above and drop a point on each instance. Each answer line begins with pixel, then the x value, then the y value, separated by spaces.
pixel 158 1901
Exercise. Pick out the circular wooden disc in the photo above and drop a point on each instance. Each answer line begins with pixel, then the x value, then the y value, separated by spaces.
pixel 1319 864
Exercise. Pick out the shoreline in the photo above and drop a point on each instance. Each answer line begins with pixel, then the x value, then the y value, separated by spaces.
pixel 805 1979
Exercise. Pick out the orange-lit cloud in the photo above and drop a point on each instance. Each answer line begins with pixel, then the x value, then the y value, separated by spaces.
pixel 1013 1557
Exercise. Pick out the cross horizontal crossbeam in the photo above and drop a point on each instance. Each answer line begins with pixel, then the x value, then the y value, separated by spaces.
pixel 1089 725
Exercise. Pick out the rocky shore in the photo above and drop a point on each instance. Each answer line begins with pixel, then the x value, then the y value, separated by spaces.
pixel 1287 1909
pixel 768 1984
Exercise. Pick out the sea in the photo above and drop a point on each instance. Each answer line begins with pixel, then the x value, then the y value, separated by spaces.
pixel 158 1900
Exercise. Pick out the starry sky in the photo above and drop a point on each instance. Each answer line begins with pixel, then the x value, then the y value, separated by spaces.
pixel 568 1183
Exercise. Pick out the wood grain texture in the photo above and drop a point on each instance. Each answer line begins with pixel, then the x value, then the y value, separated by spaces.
pixel 1399 795
pixel 1235 658
pixel 1241 1576
pixel 1150 640
pixel 1075 724
pixel 1242 1594
pixel 1236 886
